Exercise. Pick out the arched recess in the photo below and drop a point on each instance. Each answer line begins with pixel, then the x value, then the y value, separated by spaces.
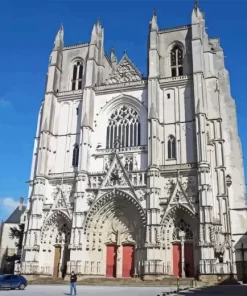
pixel 115 104
pixel 115 219
pixel 78 77
pixel 168 55
pixel 179 234
pixel 54 224
pixel 55 240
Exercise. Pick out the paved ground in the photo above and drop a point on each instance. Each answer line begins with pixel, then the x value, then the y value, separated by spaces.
pixel 38 290
pixel 218 291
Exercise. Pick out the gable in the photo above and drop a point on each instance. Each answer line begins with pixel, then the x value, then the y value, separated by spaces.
pixel 59 204
pixel 179 196
pixel 126 71
pixel 116 175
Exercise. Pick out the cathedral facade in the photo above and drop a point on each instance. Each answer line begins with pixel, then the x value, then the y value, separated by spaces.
pixel 133 175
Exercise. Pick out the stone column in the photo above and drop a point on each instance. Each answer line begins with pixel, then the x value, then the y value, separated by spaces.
pixel 182 238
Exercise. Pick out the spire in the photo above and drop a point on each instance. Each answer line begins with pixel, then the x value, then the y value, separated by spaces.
pixel 58 43
pixel 98 26
pixel 154 26
pixel 197 14
pixel 94 34
pixel 113 58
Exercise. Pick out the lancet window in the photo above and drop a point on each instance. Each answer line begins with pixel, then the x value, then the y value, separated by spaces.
pixel 124 126
pixel 77 76
pixel 75 158
pixel 171 147
pixel 176 61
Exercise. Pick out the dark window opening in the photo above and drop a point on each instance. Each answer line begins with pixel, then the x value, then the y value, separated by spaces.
pixel 75 158
pixel 171 147
pixel 176 61
pixel 77 111
pixel 77 76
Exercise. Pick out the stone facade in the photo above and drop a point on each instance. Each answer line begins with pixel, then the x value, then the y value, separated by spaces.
pixel 135 176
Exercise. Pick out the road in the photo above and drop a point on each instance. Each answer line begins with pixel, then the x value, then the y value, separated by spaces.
pixel 55 290
pixel 237 290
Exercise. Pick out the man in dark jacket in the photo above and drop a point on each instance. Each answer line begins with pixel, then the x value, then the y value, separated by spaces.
pixel 73 279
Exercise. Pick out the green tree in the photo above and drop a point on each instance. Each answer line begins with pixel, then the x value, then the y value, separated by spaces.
pixel 17 233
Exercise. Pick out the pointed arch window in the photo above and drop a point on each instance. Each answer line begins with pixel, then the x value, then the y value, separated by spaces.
pixel 124 125
pixel 75 158
pixel 171 147
pixel 176 61
pixel 77 76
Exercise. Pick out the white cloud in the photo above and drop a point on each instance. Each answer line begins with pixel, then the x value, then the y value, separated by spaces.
pixel 4 103
pixel 8 205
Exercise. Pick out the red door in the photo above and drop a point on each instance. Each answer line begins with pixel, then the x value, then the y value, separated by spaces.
pixel 111 252
pixel 189 259
pixel 128 261
pixel 177 260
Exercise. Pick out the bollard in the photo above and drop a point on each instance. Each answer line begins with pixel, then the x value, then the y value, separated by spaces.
pixel 177 284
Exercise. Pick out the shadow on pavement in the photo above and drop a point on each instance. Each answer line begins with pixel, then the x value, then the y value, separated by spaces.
pixel 229 287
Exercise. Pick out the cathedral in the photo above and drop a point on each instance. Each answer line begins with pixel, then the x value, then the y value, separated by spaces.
pixel 136 176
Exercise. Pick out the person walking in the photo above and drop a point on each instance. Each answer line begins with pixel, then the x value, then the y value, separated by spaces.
pixel 73 279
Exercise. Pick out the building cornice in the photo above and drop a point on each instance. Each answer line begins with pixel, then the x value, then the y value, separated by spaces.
pixel 175 81
pixel 174 29
pixel 76 46
pixel 128 86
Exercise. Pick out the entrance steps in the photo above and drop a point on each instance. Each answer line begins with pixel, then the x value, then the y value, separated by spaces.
pixel 169 281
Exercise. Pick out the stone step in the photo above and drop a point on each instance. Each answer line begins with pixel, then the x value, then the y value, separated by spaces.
pixel 170 281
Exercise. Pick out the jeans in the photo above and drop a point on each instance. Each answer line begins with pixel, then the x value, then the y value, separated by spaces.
pixel 72 287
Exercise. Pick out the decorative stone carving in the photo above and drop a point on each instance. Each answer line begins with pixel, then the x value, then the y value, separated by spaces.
pixel 183 226
pixel 90 198
pixel 169 187
pixel 218 239
pixel 125 72
pixel 190 186
pixel 141 194
pixel 128 162
pixel 107 162
pixel 116 178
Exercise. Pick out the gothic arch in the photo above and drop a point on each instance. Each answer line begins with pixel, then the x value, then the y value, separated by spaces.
pixel 177 216
pixel 54 224
pixel 115 104
pixel 168 54
pixel 79 77
pixel 115 218
pixel 103 203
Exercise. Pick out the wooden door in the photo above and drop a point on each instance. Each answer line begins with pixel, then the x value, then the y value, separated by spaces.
pixel 57 256
pixel 128 261
pixel 111 260
pixel 189 259
pixel 177 260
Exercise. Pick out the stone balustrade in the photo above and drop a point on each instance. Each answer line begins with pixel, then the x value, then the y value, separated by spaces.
pixel 87 267
pixel 137 179
pixel 215 268
pixel 32 267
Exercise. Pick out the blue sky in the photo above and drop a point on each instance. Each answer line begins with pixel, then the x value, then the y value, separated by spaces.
pixel 27 31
